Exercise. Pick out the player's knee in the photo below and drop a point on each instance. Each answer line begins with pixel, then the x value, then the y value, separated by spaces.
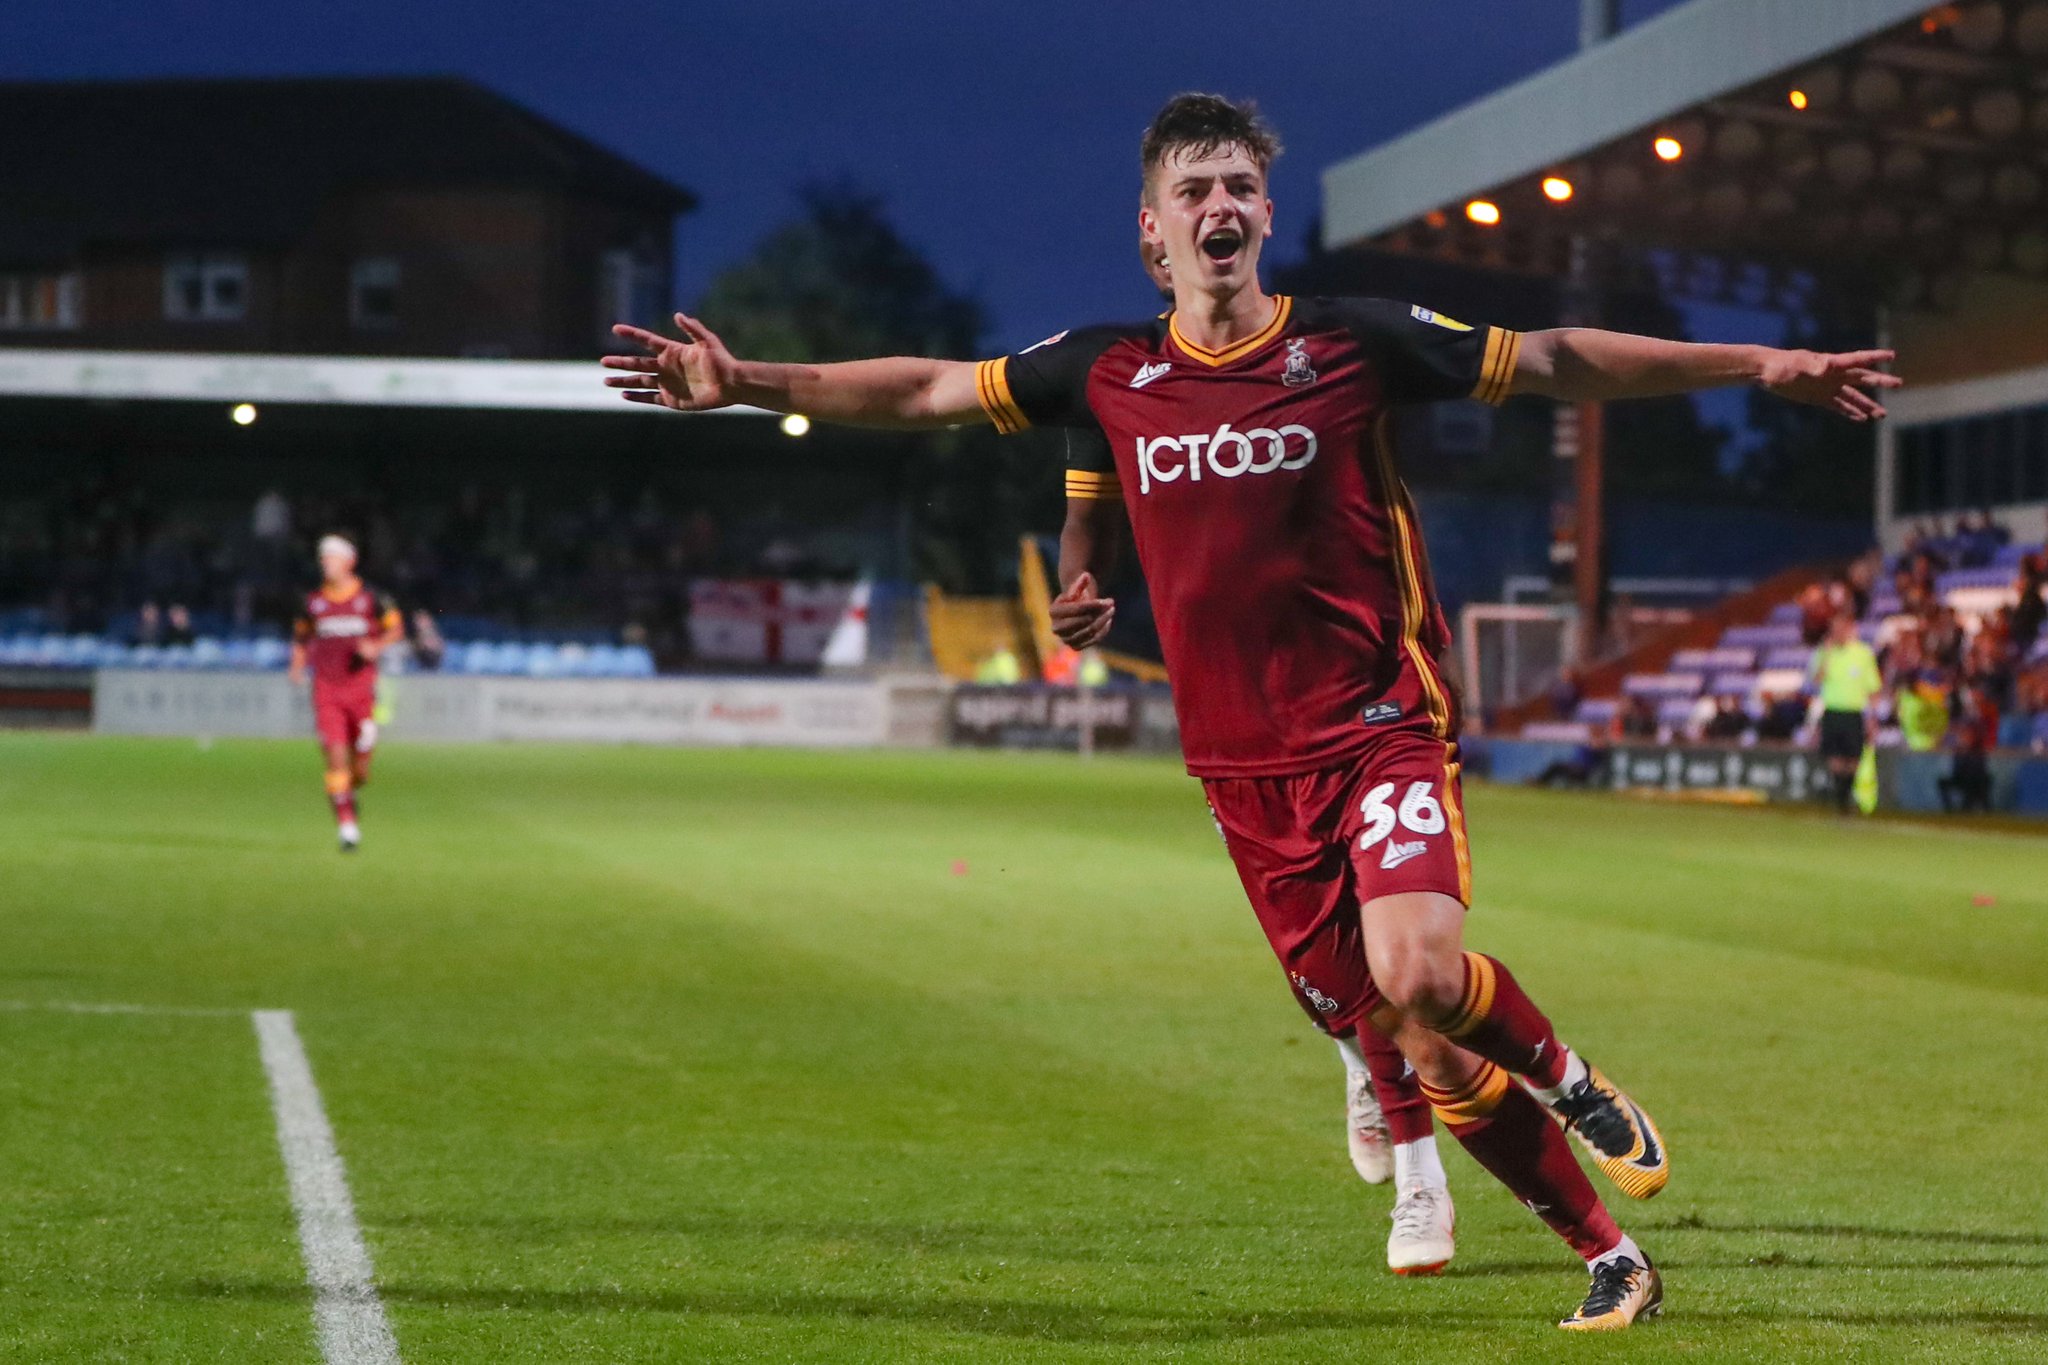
pixel 1422 985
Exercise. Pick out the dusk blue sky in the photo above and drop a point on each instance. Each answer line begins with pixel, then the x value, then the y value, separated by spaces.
pixel 1003 137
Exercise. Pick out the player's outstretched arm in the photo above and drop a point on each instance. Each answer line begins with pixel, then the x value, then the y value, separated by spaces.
pixel 1583 364
pixel 696 373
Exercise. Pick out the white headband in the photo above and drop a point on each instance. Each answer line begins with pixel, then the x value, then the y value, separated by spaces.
pixel 336 545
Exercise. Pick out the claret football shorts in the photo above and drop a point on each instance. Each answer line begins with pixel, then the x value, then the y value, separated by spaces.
pixel 1312 848
pixel 345 718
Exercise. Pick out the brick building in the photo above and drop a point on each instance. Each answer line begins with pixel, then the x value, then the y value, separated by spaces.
pixel 336 216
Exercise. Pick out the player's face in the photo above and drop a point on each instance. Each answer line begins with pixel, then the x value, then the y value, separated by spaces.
pixel 1211 215
pixel 336 566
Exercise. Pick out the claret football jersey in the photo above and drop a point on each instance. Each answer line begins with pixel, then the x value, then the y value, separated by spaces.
pixel 1286 566
pixel 332 624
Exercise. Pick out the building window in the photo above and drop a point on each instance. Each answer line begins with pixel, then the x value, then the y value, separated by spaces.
pixel 208 288
pixel 1973 462
pixel 47 302
pixel 373 293
pixel 630 288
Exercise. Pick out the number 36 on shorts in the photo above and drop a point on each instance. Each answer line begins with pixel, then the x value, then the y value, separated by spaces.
pixel 1419 811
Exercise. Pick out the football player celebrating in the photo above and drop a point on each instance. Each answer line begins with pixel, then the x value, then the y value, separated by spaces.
pixel 341 630
pixel 1387 1126
pixel 1251 445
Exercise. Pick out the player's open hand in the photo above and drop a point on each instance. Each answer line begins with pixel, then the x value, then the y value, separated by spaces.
pixel 1843 383
pixel 693 374
pixel 1081 616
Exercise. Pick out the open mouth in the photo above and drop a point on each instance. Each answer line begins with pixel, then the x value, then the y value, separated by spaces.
pixel 1222 244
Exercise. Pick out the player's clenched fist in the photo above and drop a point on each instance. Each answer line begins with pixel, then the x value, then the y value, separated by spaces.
pixel 1081 616
pixel 692 374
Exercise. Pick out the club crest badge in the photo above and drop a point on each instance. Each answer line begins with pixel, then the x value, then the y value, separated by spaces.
pixel 1299 374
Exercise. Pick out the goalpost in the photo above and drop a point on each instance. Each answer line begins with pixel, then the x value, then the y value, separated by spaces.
pixel 1510 652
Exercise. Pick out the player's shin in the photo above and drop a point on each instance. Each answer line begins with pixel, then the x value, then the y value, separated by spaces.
pixel 341 794
pixel 1497 1020
pixel 1509 1134
pixel 1399 1091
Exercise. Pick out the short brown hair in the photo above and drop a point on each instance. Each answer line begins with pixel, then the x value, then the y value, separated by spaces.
pixel 1204 125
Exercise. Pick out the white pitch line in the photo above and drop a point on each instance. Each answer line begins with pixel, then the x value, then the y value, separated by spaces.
pixel 112 1007
pixel 346 1310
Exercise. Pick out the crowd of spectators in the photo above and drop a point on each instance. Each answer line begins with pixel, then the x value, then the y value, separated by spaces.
pixel 1965 681
pixel 100 556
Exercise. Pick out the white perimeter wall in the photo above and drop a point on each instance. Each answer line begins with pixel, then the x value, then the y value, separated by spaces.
pixel 693 711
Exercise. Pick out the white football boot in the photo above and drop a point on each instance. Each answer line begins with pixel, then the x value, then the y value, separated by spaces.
pixel 1365 1130
pixel 1423 1240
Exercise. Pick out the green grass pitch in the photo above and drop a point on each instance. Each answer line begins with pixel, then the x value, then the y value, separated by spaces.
pixel 647 1055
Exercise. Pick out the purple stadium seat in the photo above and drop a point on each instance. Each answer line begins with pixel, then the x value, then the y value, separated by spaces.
pixel 1676 712
pixel 1597 710
pixel 1558 731
pixel 1972 578
pixel 1732 684
pixel 1684 686
pixel 1759 637
pixel 1707 660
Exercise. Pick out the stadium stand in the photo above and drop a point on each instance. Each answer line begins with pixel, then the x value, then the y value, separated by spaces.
pixel 1964 638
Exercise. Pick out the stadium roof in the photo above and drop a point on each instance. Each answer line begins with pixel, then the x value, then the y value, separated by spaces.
pixel 240 161
pixel 1888 133
pixel 535 385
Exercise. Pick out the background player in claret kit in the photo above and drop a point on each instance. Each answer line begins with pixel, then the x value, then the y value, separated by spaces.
pixel 342 629
pixel 1387 1127
pixel 1251 447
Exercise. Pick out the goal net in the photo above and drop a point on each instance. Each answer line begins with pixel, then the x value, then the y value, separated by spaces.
pixel 1510 652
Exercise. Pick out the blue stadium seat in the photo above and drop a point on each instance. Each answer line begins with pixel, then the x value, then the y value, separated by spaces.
pixel 638 662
